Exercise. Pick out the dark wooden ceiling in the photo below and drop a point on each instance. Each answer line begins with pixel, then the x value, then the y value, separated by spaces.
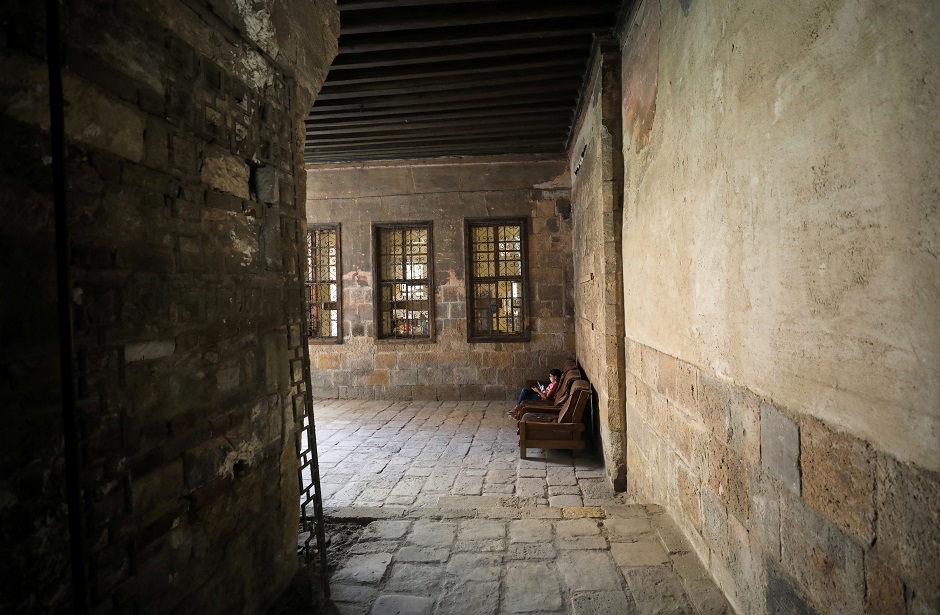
pixel 419 78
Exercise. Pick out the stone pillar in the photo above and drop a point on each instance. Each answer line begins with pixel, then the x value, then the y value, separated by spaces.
pixel 184 141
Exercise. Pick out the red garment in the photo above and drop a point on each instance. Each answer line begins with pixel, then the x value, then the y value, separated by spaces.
pixel 550 391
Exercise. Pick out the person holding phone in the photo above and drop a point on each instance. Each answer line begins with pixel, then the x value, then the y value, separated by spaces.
pixel 546 393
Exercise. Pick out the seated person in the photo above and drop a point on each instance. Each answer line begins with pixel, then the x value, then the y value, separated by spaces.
pixel 538 392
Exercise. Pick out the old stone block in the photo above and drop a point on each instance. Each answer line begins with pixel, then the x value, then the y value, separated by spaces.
pixel 781 597
pixel 206 462
pixel 666 381
pixel 641 553
pixel 780 447
pixel 687 488
pixel 401 605
pixel 603 603
pixel 153 349
pixel 745 426
pixel 686 386
pixel 159 489
pixel 838 473
pixel 531 586
pixel 649 364
pixel 657 590
pixel 884 589
pixel 367 569
pixel 574 567
pixel 728 478
pixel 908 523
pixel 821 558
pixel 714 403
pixel 463 597
pixel 765 513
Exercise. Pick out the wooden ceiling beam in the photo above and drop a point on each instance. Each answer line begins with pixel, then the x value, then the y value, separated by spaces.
pixel 418 86
pixel 396 19
pixel 430 120
pixel 480 51
pixel 455 37
pixel 458 68
pixel 526 99
pixel 505 94
pixel 532 125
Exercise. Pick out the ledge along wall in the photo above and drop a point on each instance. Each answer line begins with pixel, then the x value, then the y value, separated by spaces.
pixel 781 282
pixel 445 192
pixel 184 127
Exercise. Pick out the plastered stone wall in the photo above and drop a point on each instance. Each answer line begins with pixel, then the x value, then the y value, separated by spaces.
pixel 596 170
pixel 781 285
pixel 444 192
pixel 183 140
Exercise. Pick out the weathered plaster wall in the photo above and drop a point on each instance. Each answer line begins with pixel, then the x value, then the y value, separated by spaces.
pixel 183 125
pixel 445 192
pixel 781 286
pixel 596 170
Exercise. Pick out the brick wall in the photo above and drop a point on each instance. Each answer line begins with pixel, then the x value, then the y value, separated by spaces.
pixel 444 192
pixel 185 214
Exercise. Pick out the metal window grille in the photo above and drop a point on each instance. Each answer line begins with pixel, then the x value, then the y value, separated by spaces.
pixel 405 299
pixel 324 291
pixel 497 268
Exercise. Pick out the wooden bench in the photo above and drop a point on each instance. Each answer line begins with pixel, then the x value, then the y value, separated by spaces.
pixel 546 430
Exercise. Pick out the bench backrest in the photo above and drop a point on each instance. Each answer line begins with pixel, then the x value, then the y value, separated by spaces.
pixel 577 401
pixel 564 387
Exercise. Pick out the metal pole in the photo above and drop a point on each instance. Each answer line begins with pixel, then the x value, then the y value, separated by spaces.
pixel 64 284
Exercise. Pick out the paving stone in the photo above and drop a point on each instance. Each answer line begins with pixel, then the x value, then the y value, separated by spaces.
pixel 530 550
pixel 475 566
pixel 426 533
pixel 480 546
pixel 639 554
pixel 582 542
pixel 565 490
pixel 572 528
pixel 385 530
pixel 629 529
pixel 562 501
pixel 367 569
pixel 624 511
pixel 603 603
pixel 409 577
pixel 481 529
pixel 469 598
pixel 360 594
pixel 531 487
pixel 588 571
pixel 379 546
pixel 422 554
pixel 402 605
pixel 531 586
pixel 657 591
pixel 530 530
pixel 468 485
pixel 561 476
pixel 583 512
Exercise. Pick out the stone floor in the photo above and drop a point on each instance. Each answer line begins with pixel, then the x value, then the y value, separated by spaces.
pixel 459 524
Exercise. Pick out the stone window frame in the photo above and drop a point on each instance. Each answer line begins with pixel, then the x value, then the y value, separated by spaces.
pixel 379 332
pixel 310 283
pixel 472 335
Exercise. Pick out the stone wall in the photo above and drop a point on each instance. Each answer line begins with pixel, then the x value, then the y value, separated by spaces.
pixel 445 192
pixel 597 170
pixel 183 141
pixel 781 291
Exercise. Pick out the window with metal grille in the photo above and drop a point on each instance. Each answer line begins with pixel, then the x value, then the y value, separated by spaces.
pixel 404 298
pixel 324 289
pixel 497 273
